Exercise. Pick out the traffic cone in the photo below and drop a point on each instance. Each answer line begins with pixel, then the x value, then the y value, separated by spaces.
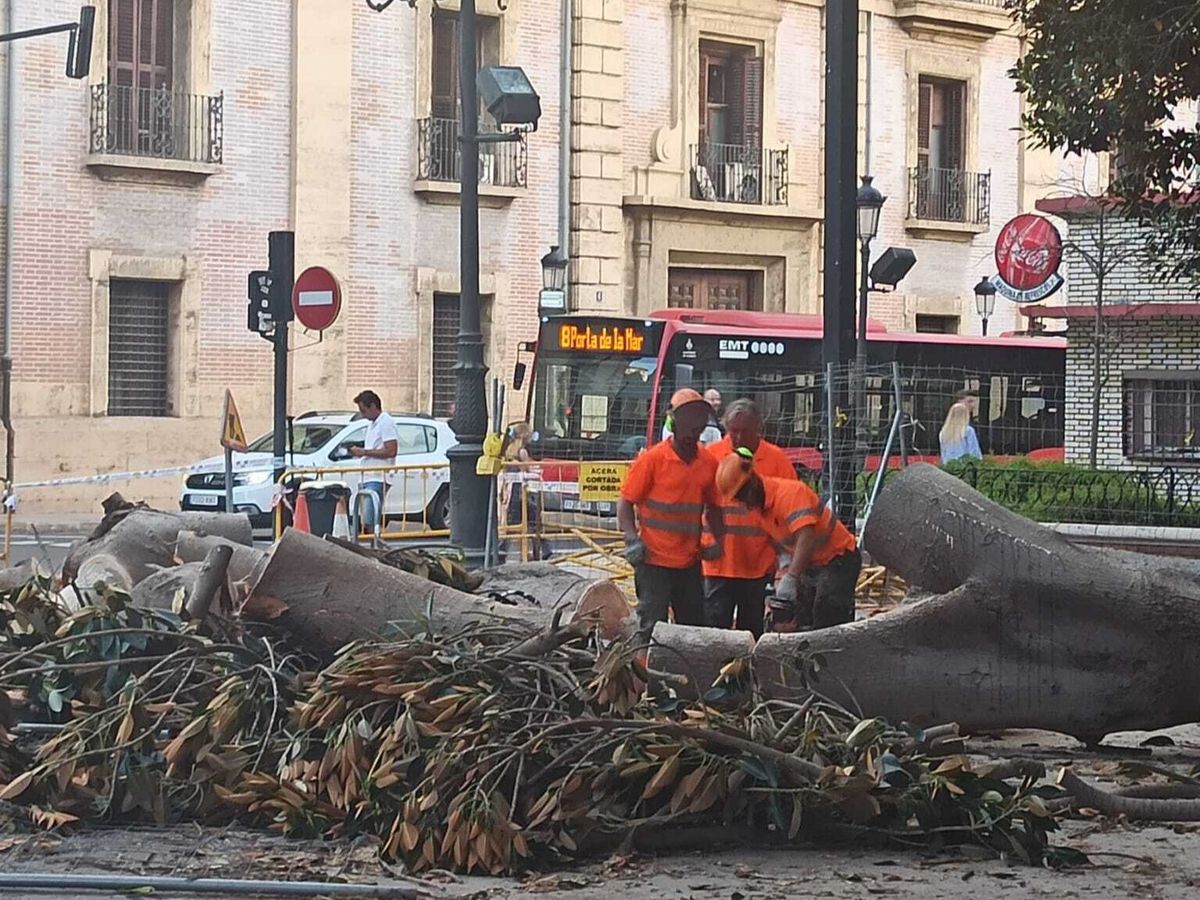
pixel 341 520
pixel 300 516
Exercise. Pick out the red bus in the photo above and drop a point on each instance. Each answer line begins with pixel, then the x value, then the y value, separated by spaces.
pixel 601 385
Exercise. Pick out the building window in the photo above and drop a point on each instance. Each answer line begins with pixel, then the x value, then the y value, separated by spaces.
pixel 144 108
pixel 714 289
pixel 927 324
pixel 729 163
pixel 502 164
pixel 941 188
pixel 444 354
pixel 138 347
pixel 1162 415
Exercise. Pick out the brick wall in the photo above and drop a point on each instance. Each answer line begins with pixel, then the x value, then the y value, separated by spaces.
pixel 1165 343
pixel 219 225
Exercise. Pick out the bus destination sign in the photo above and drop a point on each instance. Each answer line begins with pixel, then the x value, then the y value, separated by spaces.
pixel 601 339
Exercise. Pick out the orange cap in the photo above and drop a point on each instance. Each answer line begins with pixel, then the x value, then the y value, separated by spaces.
pixel 683 397
pixel 733 472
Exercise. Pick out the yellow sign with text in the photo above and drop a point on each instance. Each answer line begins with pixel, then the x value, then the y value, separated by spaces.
pixel 600 482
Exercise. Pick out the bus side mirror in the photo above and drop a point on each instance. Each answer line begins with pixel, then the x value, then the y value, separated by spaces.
pixel 518 376
pixel 683 375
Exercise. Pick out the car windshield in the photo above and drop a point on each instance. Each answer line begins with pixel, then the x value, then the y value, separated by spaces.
pixel 308 438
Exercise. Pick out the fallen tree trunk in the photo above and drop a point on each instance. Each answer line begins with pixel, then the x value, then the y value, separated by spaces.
pixel 211 583
pixel 696 654
pixel 142 541
pixel 1029 631
pixel 555 587
pixel 1145 809
pixel 328 596
pixel 246 564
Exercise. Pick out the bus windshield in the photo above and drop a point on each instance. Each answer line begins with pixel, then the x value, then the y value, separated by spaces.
pixel 593 407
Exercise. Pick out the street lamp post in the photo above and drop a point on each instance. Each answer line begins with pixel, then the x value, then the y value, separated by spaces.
pixel 869 203
pixel 553 298
pixel 985 301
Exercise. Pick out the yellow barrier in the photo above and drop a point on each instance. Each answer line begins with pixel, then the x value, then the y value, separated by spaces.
pixel 567 537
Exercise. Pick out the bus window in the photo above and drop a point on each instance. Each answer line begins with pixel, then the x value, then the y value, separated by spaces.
pixel 592 407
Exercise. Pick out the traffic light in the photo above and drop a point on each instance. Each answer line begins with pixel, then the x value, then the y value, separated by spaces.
pixel 79 47
pixel 258 312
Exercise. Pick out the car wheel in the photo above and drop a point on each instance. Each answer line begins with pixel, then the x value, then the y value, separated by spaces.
pixel 437 514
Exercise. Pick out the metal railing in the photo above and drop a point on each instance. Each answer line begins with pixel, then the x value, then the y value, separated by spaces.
pixel 1061 493
pixel 733 173
pixel 949 195
pixel 158 123
pixel 439 157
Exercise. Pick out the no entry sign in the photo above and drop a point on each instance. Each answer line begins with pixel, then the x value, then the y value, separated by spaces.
pixel 316 298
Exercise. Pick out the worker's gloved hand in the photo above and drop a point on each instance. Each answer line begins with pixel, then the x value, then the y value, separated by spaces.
pixel 635 552
pixel 788 588
pixel 712 552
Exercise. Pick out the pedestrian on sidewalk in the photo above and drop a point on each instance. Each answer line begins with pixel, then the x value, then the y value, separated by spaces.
pixel 378 449
pixel 822 573
pixel 737 581
pixel 664 500
pixel 957 438
pixel 523 503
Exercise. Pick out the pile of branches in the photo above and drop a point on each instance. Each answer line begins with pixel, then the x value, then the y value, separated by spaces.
pixel 485 750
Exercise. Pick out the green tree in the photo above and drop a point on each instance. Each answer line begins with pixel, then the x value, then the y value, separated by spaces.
pixel 1110 75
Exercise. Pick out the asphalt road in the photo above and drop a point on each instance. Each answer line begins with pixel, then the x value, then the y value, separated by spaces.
pixel 51 549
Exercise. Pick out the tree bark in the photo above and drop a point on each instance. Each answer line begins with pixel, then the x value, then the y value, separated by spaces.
pixel 211 582
pixel 697 654
pixel 327 596
pixel 142 541
pixel 1143 809
pixel 246 564
pixel 1026 630
pixel 553 586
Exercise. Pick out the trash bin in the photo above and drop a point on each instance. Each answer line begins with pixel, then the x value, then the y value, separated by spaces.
pixel 323 498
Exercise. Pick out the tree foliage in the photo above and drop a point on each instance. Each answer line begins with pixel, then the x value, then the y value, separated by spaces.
pixel 1104 74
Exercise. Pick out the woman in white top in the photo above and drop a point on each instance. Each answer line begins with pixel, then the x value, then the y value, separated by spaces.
pixel 957 437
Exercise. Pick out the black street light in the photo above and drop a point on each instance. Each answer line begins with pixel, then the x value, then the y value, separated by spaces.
pixel 511 101
pixel 985 301
pixel 868 204
pixel 554 269
pixel 553 297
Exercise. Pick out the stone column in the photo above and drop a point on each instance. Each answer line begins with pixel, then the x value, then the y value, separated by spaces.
pixel 597 172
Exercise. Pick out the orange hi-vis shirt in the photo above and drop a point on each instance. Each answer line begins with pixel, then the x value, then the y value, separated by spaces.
pixel 792 506
pixel 749 550
pixel 670 495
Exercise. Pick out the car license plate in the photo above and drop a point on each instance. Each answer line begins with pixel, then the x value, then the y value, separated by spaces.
pixel 205 499
pixel 577 506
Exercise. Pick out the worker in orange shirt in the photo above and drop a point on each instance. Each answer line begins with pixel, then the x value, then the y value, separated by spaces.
pixel 822 575
pixel 661 512
pixel 738 579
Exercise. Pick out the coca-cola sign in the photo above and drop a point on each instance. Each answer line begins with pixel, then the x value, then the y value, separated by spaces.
pixel 1028 254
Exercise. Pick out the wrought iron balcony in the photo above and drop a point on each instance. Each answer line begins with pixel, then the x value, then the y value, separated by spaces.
pixel 157 123
pixel 439 157
pixel 949 195
pixel 732 173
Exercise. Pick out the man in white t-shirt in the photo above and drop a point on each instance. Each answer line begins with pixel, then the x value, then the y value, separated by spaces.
pixel 379 447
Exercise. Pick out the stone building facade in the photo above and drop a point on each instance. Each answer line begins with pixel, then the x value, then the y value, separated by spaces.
pixel 1149 371
pixel 698 138
pixel 143 196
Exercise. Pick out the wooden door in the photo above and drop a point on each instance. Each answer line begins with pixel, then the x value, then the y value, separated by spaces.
pixel 711 289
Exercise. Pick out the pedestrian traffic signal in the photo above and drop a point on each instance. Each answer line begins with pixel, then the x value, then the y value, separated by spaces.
pixel 258 313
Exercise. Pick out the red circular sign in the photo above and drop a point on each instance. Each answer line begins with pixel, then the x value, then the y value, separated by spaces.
pixel 1028 252
pixel 316 298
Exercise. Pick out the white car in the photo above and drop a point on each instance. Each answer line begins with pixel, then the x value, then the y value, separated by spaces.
pixel 323 440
